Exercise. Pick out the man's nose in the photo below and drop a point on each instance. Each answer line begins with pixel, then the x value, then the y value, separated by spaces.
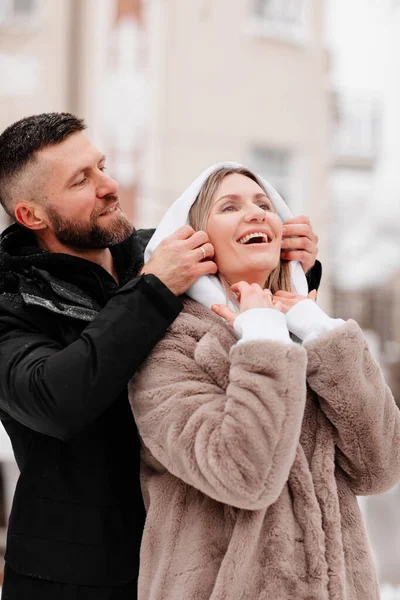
pixel 106 185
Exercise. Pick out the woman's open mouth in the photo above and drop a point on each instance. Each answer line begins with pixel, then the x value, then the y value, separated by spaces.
pixel 254 238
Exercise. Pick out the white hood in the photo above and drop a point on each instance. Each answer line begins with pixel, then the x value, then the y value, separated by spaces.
pixel 208 290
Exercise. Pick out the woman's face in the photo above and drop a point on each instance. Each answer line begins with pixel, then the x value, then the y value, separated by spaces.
pixel 240 211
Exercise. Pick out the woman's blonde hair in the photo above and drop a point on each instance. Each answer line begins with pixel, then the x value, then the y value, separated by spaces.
pixel 280 277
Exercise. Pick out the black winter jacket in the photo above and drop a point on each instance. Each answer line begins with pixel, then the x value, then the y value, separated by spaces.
pixel 70 340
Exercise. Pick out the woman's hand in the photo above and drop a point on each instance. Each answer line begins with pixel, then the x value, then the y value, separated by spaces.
pixel 249 296
pixel 287 300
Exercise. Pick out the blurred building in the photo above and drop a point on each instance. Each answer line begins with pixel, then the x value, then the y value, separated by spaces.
pixel 365 196
pixel 243 81
pixel 364 185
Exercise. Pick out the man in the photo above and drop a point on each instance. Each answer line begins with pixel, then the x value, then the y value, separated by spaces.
pixel 78 315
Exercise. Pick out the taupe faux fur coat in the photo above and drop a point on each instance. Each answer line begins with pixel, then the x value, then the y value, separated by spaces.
pixel 249 475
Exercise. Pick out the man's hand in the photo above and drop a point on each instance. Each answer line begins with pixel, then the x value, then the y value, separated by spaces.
pixel 302 241
pixel 286 300
pixel 181 259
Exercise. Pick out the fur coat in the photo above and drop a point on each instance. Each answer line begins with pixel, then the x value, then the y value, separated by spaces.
pixel 252 458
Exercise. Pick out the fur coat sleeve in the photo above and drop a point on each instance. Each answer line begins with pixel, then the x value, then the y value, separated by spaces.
pixel 225 421
pixel 360 406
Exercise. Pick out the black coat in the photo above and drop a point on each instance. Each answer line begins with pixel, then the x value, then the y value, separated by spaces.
pixel 70 340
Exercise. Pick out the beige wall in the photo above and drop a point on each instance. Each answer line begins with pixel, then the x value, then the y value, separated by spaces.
pixel 42 47
pixel 46 44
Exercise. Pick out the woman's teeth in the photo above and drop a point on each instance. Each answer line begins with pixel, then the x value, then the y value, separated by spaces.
pixel 246 238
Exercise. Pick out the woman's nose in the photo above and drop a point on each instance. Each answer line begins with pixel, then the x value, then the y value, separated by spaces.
pixel 255 213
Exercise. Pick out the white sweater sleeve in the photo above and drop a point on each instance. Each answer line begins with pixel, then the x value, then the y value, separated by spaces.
pixel 308 321
pixel 262 324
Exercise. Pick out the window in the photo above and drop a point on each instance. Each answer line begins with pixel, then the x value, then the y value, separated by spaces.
pixel 281 19
pixel 357 126
pixel 283 170
pixel 287 11
pixel 18 12
pixel 274 165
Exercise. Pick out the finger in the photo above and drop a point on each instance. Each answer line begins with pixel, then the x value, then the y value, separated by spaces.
pixel 300 255
pixel 207 267
pixel 268 298
pixel 298 243
pixel 205 252
pixel 297 220
pixel 199 238
pixel 300 231
pixel 284 294
pixel 268 294
pixel 240 287
pixel 279 306
pixel 183 233
pixel 312 295
pixel 224 312
pixel 284 302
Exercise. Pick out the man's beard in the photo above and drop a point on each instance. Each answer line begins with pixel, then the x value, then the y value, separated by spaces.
pixel 91 236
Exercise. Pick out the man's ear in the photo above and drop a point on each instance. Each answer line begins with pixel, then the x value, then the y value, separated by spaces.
pixel 30 215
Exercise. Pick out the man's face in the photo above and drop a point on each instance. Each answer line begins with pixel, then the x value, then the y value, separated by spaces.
pixel 81 201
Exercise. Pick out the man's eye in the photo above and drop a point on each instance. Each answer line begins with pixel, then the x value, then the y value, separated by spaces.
pixel 81 182
pixel 103 168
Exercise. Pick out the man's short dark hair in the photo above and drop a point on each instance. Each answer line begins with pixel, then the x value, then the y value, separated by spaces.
pixel 20 142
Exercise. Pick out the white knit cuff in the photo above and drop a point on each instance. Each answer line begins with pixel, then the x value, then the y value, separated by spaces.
pixel 262 324
pixel 308 321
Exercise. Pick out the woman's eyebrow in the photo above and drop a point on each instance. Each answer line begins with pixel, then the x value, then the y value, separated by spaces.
pixel 228 197
pixel 237 197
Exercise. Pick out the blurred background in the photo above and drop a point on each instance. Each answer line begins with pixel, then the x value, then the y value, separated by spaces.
pixel 304 92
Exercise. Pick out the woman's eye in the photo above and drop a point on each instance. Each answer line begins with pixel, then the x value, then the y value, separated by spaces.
pixel 229 208
pixel 265 206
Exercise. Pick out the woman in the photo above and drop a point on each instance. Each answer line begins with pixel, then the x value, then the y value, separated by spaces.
pixel 254 447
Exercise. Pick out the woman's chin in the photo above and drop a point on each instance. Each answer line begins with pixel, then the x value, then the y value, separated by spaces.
pixel 251 275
